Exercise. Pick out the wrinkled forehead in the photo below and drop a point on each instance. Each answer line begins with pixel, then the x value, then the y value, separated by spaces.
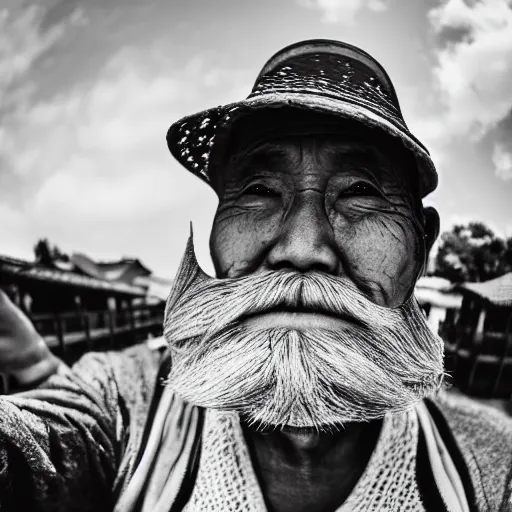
pixel 279 142
pixel 323 151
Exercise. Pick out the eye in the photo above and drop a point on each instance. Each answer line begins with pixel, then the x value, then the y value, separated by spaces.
pixel 260 190
pixel 361 189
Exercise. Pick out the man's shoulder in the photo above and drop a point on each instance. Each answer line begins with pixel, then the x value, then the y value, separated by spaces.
pixel 144 355
pixel 132 370
pixel 478 418
pixel 483 433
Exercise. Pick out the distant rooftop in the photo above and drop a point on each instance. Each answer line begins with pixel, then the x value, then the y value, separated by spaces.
pixel 15 261
pixel 32 271
pixel 124 269
pixel 497 291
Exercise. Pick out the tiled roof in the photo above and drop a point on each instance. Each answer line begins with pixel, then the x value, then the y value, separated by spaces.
pixel 31 271
pixel 15 261
pixel 498 291
pixel 110 271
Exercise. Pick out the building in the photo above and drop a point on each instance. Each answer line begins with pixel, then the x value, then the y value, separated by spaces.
pixel 79 305
pixel 478 339
pixel 438 297
pixel 125 270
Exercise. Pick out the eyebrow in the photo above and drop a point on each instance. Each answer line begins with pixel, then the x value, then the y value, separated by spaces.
pixel 264 156
pixel 273 156
pixel 367 157
pixel 361 152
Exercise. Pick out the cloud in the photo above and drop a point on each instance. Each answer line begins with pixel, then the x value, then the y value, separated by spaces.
pixel 88 167
pixel 22 43
pixel 502 159
pixel 343 11
pixel 15 232
pixel 100 152
pixel 377 5
pixel 473 72
pixel 92 168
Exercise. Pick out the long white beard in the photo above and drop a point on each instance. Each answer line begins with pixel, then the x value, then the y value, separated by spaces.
pixel 385 361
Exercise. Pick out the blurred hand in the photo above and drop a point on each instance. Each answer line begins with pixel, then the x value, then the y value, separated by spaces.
pixel 23 352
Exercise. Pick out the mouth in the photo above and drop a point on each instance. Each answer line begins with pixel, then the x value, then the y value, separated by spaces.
pixel 300 319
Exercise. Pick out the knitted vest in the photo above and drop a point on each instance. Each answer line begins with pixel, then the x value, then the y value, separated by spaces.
pixel 226 480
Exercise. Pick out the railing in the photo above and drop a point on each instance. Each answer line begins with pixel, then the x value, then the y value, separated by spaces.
pixel 69 335
pixel 63 331
pixel 478 350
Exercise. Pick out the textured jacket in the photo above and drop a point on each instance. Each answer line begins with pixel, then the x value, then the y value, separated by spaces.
pixel 71 444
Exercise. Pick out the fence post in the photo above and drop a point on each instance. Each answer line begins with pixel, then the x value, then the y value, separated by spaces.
pixel 4 384
pixel 87 328
pixel 60 333
pixel 505 356
pixel 476 343
pixel 132 321
pixel 112 328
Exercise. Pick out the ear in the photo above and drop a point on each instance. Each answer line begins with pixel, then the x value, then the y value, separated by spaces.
pixel 431 227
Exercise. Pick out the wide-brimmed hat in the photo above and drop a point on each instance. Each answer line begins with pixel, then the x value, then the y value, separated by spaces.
pixel 322 76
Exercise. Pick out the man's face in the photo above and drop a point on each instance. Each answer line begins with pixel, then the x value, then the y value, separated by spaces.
pixel 317 244
pixel 328 203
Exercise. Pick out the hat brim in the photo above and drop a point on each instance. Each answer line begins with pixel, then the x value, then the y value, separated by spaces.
pixel 193 139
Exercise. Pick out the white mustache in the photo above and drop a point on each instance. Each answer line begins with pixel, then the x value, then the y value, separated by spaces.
pixel 189 314
pixel 385 360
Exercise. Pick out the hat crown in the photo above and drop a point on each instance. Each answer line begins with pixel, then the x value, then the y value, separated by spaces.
pixel 326 46
pixel 330 69
pixel 323 76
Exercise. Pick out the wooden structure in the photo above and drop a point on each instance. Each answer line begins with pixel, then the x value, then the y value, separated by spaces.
pixel 438 298
pixel 478 339
pixel 75 312
pixel 125 270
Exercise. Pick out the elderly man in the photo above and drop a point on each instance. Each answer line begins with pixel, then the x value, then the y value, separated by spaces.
pixel 304 376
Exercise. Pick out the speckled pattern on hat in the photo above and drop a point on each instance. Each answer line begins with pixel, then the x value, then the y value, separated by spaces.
pixel 324 76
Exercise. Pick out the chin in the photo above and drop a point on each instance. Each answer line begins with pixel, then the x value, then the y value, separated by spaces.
pixel 323 428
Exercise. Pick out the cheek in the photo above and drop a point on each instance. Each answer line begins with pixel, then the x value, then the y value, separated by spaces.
pixel 239 239
pixel 383 253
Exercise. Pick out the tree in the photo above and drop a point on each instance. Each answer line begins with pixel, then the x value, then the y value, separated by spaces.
pixel 473 252
pixel 45 254
pixel 507 257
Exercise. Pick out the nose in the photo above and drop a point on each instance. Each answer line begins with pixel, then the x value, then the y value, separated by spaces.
pixel 306 239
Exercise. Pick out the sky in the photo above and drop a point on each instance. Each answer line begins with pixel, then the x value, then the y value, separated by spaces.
pixel 88 89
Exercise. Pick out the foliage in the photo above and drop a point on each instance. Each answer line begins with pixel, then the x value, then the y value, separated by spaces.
pixel 473 252
pixel 45 254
